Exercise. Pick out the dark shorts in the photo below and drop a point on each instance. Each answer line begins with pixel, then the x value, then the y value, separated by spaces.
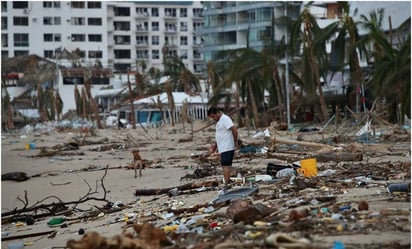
pixel 226 158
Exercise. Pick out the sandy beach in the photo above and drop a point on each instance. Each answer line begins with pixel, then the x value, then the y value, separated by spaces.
pixel 171 153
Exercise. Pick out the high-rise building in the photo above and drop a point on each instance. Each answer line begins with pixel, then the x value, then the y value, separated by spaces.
pixel 234 24
pixel 116 34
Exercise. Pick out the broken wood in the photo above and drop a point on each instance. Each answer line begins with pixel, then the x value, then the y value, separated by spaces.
pixel 23 236
pixel 339 157
pixel 187 186
pixel 303 143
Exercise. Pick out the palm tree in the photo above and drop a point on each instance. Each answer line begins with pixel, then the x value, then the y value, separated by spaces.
pixel 348 47
pixel 182 79
pixel 391 78
pixel 314 61
pixel 247 67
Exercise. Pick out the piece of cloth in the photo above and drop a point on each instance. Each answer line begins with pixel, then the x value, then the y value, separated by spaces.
pixel 224 137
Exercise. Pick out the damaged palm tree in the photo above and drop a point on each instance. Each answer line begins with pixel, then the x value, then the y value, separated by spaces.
pixel 93 104
pixel 171 101
pixel 131 99
pixel 58 103
pixel 7 111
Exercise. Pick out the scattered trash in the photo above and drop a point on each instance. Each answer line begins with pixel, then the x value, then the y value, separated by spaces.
pixel 308 167
pixel 399 187
pixel 56 222
pixel 285 173
pixel 235 194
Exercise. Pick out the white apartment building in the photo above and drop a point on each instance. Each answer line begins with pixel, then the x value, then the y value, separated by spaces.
pixel 119 35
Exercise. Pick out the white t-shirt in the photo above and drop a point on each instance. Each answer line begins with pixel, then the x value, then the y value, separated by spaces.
pixel 224 137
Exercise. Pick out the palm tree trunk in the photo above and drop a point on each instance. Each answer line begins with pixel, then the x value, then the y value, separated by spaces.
pixel 94 106
pixel 131 99
pixel 253 103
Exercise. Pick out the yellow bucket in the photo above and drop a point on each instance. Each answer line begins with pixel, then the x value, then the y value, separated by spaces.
pixel 308 167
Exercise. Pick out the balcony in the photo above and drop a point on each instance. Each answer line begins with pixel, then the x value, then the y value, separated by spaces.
pixel 141 44
pixel 141 16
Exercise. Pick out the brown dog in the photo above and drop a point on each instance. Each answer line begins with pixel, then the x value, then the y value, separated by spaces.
pixel 137 158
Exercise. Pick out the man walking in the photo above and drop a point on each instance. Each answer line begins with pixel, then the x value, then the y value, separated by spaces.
pixel 226 139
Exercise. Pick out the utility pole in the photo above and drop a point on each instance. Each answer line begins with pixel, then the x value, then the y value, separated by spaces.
pixel 287 69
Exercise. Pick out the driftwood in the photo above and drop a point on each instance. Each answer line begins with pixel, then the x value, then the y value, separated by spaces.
pixel 54 207
pixel 339 157
pixel 22 236
pixel 108 147
pixel 44 153
pixel 183 187
pixel 303 143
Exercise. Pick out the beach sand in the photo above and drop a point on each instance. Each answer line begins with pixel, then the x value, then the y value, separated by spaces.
pixel 172 154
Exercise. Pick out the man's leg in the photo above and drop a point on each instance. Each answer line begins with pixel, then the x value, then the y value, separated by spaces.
pixel 226 174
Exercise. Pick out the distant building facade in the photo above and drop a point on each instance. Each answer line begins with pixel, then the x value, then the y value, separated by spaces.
pixel 119 35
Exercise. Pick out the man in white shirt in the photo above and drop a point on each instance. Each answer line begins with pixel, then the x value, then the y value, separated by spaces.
pixel 226 139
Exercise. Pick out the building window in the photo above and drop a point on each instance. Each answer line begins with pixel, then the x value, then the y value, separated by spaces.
pixel 21 40
pixel 3 6
pixel 142 54
pixel 78 21
pixel 47 4
pixel 48 53
pixel 57 20
pixel 51 4
pixel 78 4
pixel 142 40
pixel 155 40
pixel 197 12
pixel 95 54
pixel 121 67
pixel 94 5
pixel 197 26
pixel 170 27
pixel 94 21
pixel 172 53
pixel 20 4
pixel 155 12
pixel 73 80
pixel 21 52
pixel 4 53
pixel 155 26
pixel 47 37
pixel 57 37
pixel 170 12
pixel 183 12
pixel 121 11
pixel 122 54
pixel 4 40
pixel 20 21
pixel 4 23
pixel 122 40
pixel 183 40
pixel 197 54
pixel 183 54
pixel 183 26
pixel 142 26
pixel 142 12
pixel 155 54
pixel 95 38
pixel 125 26
pixel 47 20
pixel 78 37
pixel 198 68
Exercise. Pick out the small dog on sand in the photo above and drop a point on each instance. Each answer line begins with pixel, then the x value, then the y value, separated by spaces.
pixel 137 158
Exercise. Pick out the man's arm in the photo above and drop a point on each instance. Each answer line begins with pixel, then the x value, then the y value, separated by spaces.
pixel 235 135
